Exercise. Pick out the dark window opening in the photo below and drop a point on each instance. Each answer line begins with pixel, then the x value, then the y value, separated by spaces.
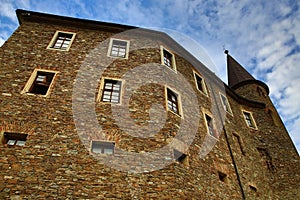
pixel 172 101
pixel 200 84
pixel 210 126
pixel 249 119
pixel 62 41
pixel 222 176
pixel 111 91
pixel 103 147
pixel 15 139
pixel 118 48
pixel 41 83
pixel 225 104
pixel 252 188
pixel 179 157
pixel 168 58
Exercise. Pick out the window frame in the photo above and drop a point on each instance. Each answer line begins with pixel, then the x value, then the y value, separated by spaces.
pixel 55 38
pixel 29 84
pixel 251 119
pixel 103 145
pixel 173 61
pixel 102 89
pixel 227 106
pixel 178 101
pixel 110 47
pixel 203 84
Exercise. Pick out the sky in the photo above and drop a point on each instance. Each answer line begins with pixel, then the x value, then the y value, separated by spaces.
pixel 263 36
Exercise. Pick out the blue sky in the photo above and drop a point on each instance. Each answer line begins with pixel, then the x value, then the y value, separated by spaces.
pixel 264 36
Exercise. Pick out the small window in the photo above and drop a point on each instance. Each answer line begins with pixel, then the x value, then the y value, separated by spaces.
pixel 222 176
pixel 253 188
pixel 210 126
pixel 39 82
pixel 249 120
pixel 15 139
pixel 200 84
pixel 102 147
pixel 179 156
pixel 111 91
pixel 61 41
pixel 118 48
pixel 173 101
pixel 168 58
pixel 225 103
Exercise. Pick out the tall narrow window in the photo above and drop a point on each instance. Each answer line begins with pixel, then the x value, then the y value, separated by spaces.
pixel 249 119
pixel 200 84
pixel 225 103
pixel 61 40
pixel 39 82
pixel 111 91
pixel 210 126
pixel 14 139
pixel 266 157
pixel 173 103
pixel 168 58
pixel 118 48
pixel 102 147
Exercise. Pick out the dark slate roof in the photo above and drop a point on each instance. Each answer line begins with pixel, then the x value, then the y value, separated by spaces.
pixel 236 72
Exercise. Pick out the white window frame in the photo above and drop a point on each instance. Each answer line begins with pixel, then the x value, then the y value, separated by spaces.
pixel 251 119
pixel 227 107
pixel 54 39
pixel 26 89
pixel 203 84
pixel 111 46
pixel 173 61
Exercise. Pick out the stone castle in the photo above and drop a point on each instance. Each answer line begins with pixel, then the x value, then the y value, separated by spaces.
pixel 94 110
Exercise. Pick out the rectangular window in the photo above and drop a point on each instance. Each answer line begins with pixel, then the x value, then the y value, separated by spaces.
pixel 168 59
pixel 61 41
pixel 200 84
pixel 210 126
pixel 102 147
pixel 15 139
pixel 111 91
pixel 173 101
pixel 39 82
pixel 118 48
pixel 225 103
pixel 249 120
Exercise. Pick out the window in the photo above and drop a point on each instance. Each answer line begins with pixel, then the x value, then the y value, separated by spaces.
pixel 61 41
pixel 222 176
pixel 167 58
pixel 253 188
pixel 266 157
pixel 200 84
pixel 179 156
pixel 210 126
pixel 111 91
pixel 102 147
pixel 15 139
pixel 249 119
pixel 173 101
pixel 118 48
pixel 225 103
pixel 39 82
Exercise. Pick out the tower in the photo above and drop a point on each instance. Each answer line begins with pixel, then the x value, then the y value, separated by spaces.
pixel 94 110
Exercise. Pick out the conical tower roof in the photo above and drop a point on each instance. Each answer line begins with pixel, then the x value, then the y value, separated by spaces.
pixel 236 72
